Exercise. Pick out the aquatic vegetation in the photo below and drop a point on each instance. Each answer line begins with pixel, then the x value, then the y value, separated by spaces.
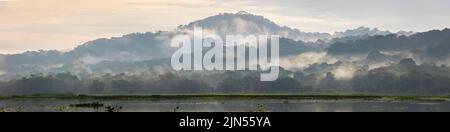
pixel 115 108
pixel 231 96
pixel 98 105
pixel 95 105
pixel 176 109
pixel 261 108
pixel 19 109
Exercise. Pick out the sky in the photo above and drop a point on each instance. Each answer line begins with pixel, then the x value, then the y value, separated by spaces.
pixel 27 25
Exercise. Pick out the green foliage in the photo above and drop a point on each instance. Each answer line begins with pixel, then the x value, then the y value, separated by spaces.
pixel 431 45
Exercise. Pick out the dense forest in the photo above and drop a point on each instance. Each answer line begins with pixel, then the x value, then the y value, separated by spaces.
pixel 403 77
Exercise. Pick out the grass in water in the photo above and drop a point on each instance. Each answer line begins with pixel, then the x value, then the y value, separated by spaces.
pixel 231 96
pixel 94 105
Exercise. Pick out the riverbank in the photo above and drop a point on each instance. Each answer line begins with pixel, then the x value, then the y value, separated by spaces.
pixel 234 96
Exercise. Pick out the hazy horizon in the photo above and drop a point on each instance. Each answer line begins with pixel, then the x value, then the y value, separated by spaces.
pixel 224 56
pixel 29 25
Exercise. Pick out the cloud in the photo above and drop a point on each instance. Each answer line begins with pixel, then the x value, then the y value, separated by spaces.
pixel 304 60
pixel 80 20
pixel 345 72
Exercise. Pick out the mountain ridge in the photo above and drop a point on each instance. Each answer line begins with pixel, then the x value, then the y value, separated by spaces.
pixel 140 47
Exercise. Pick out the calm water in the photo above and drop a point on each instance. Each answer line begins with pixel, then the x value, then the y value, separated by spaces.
pixel 227 106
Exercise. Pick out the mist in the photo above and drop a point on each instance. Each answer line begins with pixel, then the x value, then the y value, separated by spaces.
pixel 361 60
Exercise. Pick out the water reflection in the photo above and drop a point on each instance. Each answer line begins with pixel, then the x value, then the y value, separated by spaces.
pixel 227 106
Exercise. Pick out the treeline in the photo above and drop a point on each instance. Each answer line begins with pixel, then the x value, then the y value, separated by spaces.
pixel 428 45
pixel 405 77
pixel 107 84
pixel 139 84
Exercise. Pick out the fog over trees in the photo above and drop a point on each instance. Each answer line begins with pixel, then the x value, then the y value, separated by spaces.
pixel 361 60
pixel 401 78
